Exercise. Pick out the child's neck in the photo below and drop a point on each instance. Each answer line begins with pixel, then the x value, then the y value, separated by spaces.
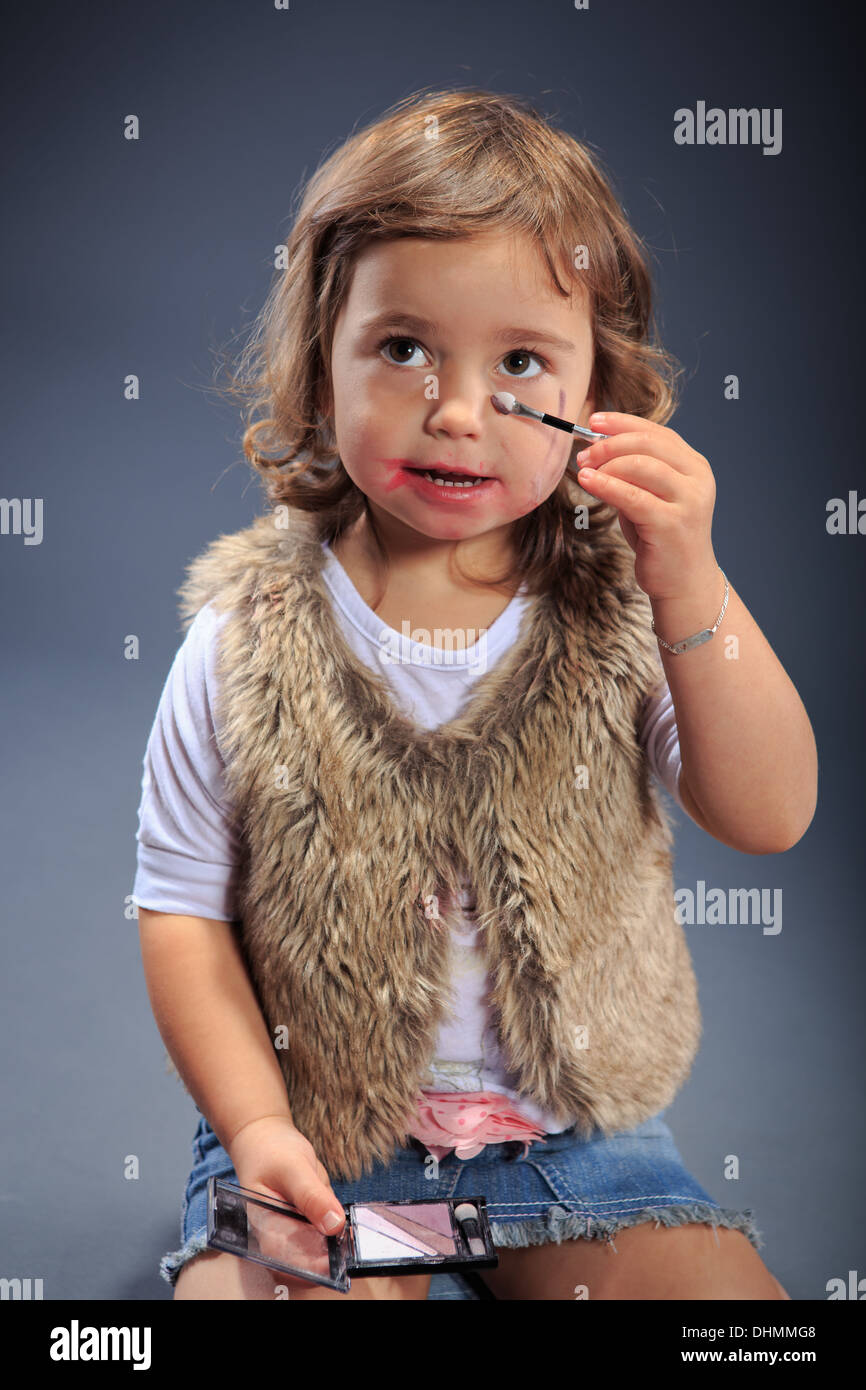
pixel 425 561
pixel 420 592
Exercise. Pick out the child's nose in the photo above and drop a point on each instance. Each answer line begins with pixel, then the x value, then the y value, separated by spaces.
pixel 461 403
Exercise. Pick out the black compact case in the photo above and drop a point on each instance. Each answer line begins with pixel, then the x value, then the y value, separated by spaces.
pixel 406 1237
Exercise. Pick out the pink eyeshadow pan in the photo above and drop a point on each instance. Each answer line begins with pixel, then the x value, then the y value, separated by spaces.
pixel 436 1218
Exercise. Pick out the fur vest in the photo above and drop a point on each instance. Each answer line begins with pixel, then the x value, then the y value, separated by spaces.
pixel 357 827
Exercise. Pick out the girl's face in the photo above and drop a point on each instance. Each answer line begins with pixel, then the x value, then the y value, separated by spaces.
pixel 429 330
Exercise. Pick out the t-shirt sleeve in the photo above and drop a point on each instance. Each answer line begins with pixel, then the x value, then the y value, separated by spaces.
pixel 660 738
pixel 188 849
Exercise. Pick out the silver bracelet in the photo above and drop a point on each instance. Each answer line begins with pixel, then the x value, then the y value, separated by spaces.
pixel 703 636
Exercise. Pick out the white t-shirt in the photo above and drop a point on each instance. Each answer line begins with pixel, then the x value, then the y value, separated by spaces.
pixel 187 849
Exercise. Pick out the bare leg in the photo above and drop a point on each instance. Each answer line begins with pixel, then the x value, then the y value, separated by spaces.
pixel 214 1274
pixel 649 1262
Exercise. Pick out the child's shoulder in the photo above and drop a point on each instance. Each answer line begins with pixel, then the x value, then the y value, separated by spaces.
pixel 195 662
pixel 204 626
pixel 230 567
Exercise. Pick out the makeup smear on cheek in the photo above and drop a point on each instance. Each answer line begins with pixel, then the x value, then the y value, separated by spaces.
pixel 532 497
pixel 536 487
pixel 553 441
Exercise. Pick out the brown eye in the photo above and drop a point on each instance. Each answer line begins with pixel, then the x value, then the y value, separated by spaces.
pixel 402 345
pixel 527 358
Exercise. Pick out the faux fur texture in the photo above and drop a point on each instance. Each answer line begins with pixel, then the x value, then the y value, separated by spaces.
pixel 356 824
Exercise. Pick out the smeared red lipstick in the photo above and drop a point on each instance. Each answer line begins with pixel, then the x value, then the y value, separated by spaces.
pixel 407 472
pixel 400 475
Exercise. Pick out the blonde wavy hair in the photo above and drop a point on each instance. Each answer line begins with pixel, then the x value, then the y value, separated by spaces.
pixel 445 164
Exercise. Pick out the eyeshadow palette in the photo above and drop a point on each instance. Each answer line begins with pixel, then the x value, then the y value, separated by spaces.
pixel 403 1237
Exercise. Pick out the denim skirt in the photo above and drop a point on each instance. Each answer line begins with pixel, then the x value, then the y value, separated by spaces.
pixel 565 1188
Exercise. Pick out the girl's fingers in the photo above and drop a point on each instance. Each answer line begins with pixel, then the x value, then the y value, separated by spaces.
pixel 635 503
pixel 635 436
pixel 651 474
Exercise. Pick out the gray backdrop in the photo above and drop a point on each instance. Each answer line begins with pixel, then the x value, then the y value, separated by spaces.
pixel 142 257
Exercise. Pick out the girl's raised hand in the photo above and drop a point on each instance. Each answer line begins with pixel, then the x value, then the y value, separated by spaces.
pixel 664 492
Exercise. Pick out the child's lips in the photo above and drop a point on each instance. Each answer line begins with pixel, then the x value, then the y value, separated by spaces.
pixel 444 493
pixel 440 469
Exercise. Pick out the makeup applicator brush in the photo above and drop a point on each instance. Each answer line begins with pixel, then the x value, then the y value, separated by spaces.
pixel 467 1217
pixel 507 404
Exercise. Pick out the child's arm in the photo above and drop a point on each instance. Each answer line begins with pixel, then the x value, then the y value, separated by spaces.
pixel 750 764
pixel 214 1031
pixel 210 1020
pixel 749 761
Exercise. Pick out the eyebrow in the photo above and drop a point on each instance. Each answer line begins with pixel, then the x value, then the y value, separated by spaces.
pixel 421 325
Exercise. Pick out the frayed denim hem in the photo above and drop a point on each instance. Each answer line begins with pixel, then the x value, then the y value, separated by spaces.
pixel 171 1264
pixel 559 1225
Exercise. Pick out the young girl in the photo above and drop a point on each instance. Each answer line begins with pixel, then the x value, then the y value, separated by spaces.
pixel 404 880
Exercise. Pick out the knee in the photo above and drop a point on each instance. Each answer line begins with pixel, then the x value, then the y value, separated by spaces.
pixel 691 1261
pixel 215 1274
